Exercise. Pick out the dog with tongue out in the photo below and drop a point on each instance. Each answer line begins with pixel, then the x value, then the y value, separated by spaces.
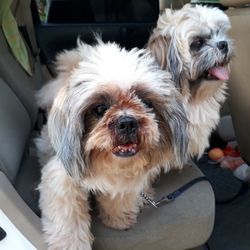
pixel 192 44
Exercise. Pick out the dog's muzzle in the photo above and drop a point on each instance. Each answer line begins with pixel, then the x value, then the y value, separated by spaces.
pixel 126 129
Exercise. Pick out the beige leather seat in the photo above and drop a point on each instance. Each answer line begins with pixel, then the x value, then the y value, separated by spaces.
pixel 239 84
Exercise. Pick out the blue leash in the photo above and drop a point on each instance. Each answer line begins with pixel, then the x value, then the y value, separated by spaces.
pixel 172 196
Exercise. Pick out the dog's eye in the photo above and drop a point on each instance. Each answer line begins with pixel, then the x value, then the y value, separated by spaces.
pixel 100 110
pixel 148 104
pixel 197 44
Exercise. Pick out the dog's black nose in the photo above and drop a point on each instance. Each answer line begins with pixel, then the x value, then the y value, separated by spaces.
pixel 127 124
pixel 223 46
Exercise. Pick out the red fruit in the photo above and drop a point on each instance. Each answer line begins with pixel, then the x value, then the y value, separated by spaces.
pixel 230 152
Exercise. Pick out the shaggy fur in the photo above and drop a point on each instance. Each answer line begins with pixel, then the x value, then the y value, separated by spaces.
pixel 116 120
pixel 191 43
pixel 65 62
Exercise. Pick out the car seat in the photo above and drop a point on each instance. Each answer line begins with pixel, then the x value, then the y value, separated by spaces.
pixel 239 84
pixel 185 223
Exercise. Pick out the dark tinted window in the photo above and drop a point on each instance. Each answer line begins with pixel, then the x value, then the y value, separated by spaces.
pixel 78 11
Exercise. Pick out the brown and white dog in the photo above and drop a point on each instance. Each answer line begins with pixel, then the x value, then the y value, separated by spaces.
pixel 192 44
pixel 116 120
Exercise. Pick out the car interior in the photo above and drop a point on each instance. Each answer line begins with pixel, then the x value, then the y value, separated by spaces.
pixel 211 214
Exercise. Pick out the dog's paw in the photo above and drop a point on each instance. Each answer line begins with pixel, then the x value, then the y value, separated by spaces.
pixel 123 222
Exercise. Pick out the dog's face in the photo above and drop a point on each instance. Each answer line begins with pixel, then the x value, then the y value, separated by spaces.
pixel 117 108
pixel 193 45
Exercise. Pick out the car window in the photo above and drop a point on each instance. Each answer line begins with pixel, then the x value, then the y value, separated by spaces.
pixel 78 11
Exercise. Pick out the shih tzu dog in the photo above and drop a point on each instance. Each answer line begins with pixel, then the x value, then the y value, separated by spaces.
pixel 192 44
pixel 115 121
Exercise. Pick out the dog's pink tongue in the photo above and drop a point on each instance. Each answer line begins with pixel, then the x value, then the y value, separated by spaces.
pixel 219 72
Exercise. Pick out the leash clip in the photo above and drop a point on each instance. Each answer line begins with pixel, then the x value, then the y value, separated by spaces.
pixel 149 200
pixel 156 204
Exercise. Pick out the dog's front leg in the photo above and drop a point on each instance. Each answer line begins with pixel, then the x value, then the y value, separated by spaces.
pixel 65 210
pixel 119 212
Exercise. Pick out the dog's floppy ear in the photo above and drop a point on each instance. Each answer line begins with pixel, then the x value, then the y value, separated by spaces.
pixel 174 63
pixel 66 129
pixel 158 46
pixel 178 123
pixel 174 114
pixel 164 49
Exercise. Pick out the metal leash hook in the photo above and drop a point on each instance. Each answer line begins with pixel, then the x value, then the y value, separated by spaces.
pixel 149 200
pixel 158 203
